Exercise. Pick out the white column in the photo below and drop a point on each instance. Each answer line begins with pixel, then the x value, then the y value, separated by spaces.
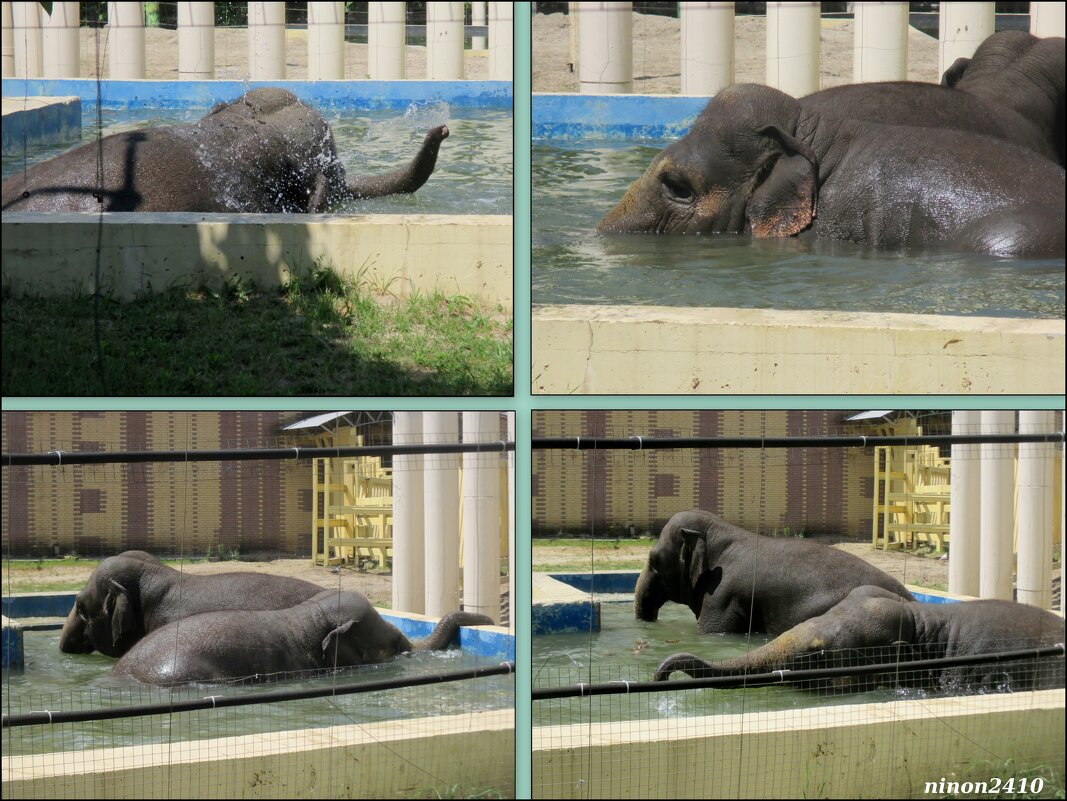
pixel 605 44
pixel 27 35
pixel 326 41
pixel 62 53
pixel 963 26
pixel 793 47
pixel 8 57
pixel 441 491
pixel 511 525
pixel 479 16
pixel 965 508
pixel 408 517
pixel 573 25
pixel 1034 504
pixel 386 31
pixel 481 517
pixel 880 42
pixel 707 31
pixel 1046 19
pixel 196 41
pixel 444 41
pixel 126 57
pixel 266 41
pixel 997 505
pixel 501 48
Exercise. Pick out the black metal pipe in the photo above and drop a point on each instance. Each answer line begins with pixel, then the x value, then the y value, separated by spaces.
pixel 637 443
pixel 215 702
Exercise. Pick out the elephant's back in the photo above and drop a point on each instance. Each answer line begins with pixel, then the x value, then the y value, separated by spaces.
pixel 243 591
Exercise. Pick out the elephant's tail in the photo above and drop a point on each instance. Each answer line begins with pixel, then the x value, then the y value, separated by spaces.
pixel 405 180
pixel 448 627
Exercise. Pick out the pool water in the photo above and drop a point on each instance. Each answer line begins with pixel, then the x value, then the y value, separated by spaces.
pixel 474 167
pixel 53 681
pixel 576 183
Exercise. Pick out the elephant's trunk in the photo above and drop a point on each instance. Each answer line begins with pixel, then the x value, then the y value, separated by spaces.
pixel 74 638
pixel 648 596
pixel 778 654
pixel 407 179
pixel 447 629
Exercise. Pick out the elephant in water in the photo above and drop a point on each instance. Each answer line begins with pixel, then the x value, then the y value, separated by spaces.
pixel 873 626
pixel 760 162
pixel 264 152
pixel 736 581
pixel 129 595
pixel 331 629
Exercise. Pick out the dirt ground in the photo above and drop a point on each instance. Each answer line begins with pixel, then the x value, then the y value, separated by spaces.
pixel 657 54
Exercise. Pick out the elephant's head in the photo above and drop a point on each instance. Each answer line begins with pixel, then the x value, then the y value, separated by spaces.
pixel 741 168
pixel 677 568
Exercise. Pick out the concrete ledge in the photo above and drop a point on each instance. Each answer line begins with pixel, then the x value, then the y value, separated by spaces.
pixel 397 759
pixel 887 750
pixel 40 121
pixel 710 351
pixel 559 608
pixel 55 254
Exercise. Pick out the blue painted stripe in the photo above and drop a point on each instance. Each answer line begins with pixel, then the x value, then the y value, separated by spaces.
pixel 12 655
pixel 571 117
pixel 351 95
pixel 599 582
pixel 54 605
pixel 481 643
pixel 565 616
pixel 922 597
pixel 53 124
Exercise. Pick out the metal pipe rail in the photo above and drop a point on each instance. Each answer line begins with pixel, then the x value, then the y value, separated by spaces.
pixel 636 443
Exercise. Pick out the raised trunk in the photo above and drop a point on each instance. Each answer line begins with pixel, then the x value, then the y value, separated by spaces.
pixel 448 627
pixel 778 654
pixel 407 179
pixel 74 638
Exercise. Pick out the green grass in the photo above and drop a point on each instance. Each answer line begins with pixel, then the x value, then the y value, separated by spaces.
pixel 320 334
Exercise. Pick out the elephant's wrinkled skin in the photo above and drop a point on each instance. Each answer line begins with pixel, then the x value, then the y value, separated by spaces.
pixel 264 152
pixel 736 581
pixel 129 595
pixel 872 626
pixel 757 161
pixel 331 629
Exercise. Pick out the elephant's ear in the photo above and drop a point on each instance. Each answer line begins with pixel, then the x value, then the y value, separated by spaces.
pixel 784 204
pixel 336 633
pixel 955 73
pixel 694 553
pixel 119 609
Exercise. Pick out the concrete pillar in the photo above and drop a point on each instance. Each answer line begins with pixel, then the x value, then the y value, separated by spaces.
pixel 61 49
pixel 1034 504
pixel 963 26
pixel 196 41
pixel 479 16
pixel 26 19
pixel 605 44
pixel 997 507
pixel 1046 19
pixel 707 31
pixel 126 57
pixel 501 45
pixel 880 43
pixel 386 32
pixel 266 41
pixel 793 47
pixel 511 526
pixel 326 41
pixel 965 508
pixel 441 491
pixel 7 60
pixel 444 41
pixel 481 516
pixel 408 517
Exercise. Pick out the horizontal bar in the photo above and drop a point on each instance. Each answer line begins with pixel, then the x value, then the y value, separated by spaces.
pixel 856 441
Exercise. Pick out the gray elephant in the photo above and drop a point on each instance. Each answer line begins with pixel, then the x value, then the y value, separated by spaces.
pixel 872 626
pixel 736 581
pixel 331 629
pixel 264 152
pixel 758 162
pixel 129 595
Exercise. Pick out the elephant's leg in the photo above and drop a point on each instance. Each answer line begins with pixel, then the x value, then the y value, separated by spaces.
pixel 1027 230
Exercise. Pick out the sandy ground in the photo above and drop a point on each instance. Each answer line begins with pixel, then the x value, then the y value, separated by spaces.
pixel 657 54
pixel 231 56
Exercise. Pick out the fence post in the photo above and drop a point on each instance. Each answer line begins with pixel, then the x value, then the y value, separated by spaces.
pixel 707 31
pixel 444 41
pixel 481 517
pixel 60 45
pixel 26 18
pixel 1046 19
pixel 479 16
pixel 326 41
pixel 573 23
pixel 386 37
pixel 1034 581
pixel 266 41
pixel 196 41
pixel 880 45
pixel 962 26
pixel 501 49
pixel 126 56
pixel 441 491
pixel 605 44
pixel 997 521
pixel 408 517
pixel 793 47
pixel 965 511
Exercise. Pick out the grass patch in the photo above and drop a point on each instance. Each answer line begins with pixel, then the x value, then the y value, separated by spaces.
pixel 319 334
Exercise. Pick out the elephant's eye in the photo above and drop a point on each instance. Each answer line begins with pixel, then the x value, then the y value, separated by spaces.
pixel 677 187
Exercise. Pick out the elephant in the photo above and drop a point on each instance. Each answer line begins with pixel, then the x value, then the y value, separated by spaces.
pixel 265 152
pixel 329 630
pixel 759 162
pixel 873 626
pixel 129 595
pixel 736 581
